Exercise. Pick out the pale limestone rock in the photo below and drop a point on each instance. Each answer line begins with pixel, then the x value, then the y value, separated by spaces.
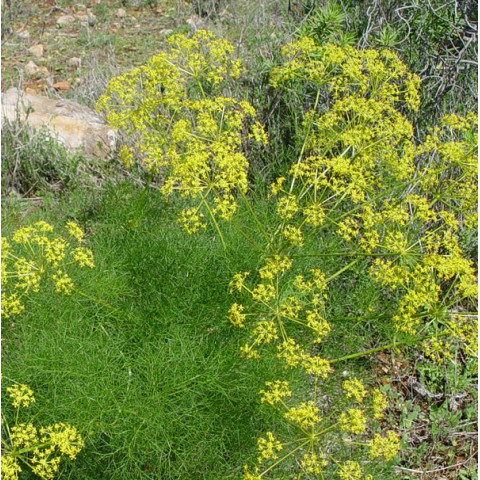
pixel 37 50
pixel 74 125
pixel 44 71
pixel 31 68
pixel 121 13
pixel 86 18
pixel 74 62
pixel 23 34
pixel 64 20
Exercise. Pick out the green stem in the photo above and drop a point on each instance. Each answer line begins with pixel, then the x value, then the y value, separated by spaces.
pixel 29 449
pixel 346 254
pixel 284 457
pixel 336 274
pixel 379 349
pixel 254 216
pixel 245 236
pixel 307 134
pixel 214 221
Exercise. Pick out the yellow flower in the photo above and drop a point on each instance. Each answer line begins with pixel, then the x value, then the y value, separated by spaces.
pixel 290 352
pixel 247 475
pixel 23 435
pixel 316 366
pixel 42 226
pixel 23 235
pixel 11 305
pixel 287 207
pixel 379 403
pixel 10 467
pixel 27 275
pixel 277 186
pixel 236 315
pixel 75 231
pixel 265 332
pixel 354 388
pixel 21 395
pixel 274 392
pixel 192 220
pixel 274 266
pixel 55 251
pixel 83 256
pixel 306 415
pixel 350 471
pixel 293 235
pixel 64 437
pixel 63 283
pixel 353 421
pixel 237 282
pixel 313 463
pixel 263 292
pixel 267 447
pixel 45 466
pixel 314 215
pixel 247 351
pixel 259 134
pixel 321 328
pixel 386 447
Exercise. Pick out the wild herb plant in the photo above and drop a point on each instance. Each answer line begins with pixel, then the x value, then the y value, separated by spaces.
pixel 183 124
pixel 393 202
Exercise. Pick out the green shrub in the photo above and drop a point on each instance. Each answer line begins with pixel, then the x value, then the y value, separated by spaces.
pixel 34 162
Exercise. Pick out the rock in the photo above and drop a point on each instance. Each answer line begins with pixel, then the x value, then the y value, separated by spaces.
pixel 74 125
pixel 23 34
pixel 121 13
pixel 86 18
pixel 64 20
pixel 36 50
pixel 44 71
pixel 92 19
pixel 74 62
pixel 31 68
pixel 62 86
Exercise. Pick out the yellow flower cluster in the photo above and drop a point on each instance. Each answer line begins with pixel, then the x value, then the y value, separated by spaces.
pixel 267 447
pixel 21 395
pixel 386 447
pixel 34 254
pixel 306 415
pixel 10 467
pixel 354 388
pixel 313 429
pixel 379 403
pixel 380 75
pixel 313 463
pixel 351 470
pixel 353 421
pixel 40 449
pixel 275 391
pixel 193 139
pixel 279 303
